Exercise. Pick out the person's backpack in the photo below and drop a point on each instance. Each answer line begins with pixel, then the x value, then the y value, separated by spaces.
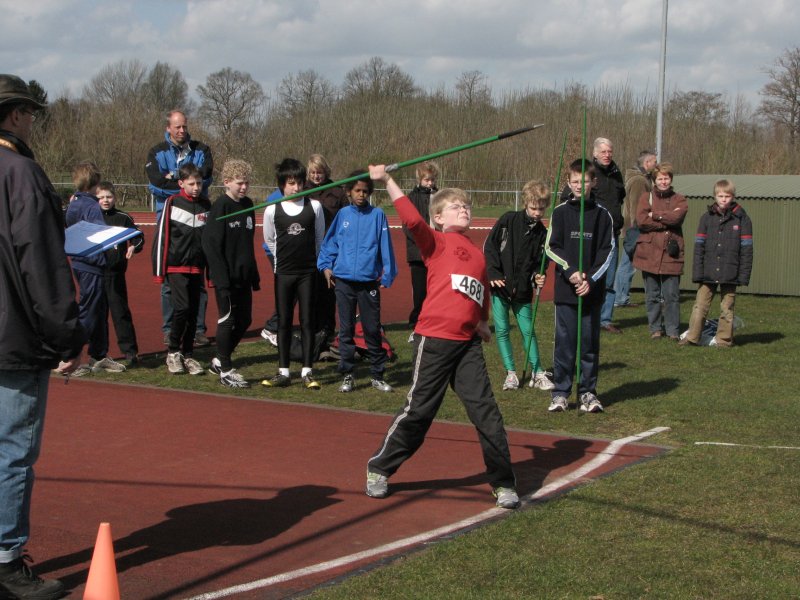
pixel 296 348
pixel 361 343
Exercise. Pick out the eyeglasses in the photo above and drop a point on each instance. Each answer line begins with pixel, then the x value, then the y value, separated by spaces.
pixel 459 207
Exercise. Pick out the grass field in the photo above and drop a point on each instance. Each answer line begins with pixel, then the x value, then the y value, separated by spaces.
pixel 702 521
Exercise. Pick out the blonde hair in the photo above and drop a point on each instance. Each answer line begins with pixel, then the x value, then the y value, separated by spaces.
pixel 536 192
pixel 443 197
pixel 429 168
pixel 723 185
pixel 85 176
pixel 235 168
pixel 317 161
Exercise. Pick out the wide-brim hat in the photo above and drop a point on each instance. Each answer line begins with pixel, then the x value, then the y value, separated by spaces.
pixel 14 89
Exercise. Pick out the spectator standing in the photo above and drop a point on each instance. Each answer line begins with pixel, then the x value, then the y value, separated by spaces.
pixel 723 256
pixel 427 176
pixel 609 191
pixel 39 329
pixel 659 252
pixel 116 286
pixel 163 164
pixel 90 272
pixel 637 182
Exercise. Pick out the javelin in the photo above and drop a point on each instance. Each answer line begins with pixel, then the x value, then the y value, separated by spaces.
pixel 390 168
pixel 544 259
pixel 580 262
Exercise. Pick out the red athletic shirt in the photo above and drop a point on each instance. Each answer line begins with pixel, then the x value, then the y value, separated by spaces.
pixel 458 288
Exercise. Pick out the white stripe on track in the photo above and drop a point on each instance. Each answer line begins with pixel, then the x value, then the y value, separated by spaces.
pixel 603 457
pixel 746 446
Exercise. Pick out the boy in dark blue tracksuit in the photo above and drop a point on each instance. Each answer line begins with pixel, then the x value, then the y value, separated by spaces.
pixel 578 276
pixel 357 259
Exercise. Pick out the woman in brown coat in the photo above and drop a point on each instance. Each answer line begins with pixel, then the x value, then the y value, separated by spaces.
pixel 659 252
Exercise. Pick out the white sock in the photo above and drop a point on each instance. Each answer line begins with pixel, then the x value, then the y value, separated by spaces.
pixel 284 371
pixel 305 371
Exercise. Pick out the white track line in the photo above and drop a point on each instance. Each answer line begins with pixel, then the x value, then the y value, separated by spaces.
pixel 599 460
pixel 746 446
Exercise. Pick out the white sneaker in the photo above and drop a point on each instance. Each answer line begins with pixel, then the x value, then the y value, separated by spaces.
pixel 590 403
pixel 271 337
pixel 511 382
pixel 233 379
pixel 175 363
pixel 506 497
pixel 377 485
pixel 215 366
pixel 193 367
pixel 347 384
pixel 107 364
pixel 541 381
pixel 558 404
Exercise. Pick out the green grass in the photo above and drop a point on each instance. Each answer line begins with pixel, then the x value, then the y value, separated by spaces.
pixel 699 522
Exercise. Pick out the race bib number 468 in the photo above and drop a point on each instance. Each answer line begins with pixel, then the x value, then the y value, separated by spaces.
pixel 469 286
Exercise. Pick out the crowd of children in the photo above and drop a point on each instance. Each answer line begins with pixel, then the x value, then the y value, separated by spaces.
pixel 336 252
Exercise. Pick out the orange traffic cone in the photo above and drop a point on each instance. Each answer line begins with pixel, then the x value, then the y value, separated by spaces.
pixel 102 583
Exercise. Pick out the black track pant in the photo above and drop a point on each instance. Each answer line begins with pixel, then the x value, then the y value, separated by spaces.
pixel 185 298
pixel 235 314
pixel 291 290
pixel 436 364
pixel 117 296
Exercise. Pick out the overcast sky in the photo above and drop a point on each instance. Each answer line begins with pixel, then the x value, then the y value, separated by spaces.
pixel 713 45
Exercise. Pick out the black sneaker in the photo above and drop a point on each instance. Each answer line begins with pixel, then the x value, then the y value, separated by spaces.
pixel 18 581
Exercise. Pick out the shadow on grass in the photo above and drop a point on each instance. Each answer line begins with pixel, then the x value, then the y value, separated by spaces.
pixel 222 523
pixel 758 338
pixel 640 390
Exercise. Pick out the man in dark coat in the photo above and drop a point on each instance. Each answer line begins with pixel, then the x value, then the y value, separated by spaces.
pixel 39 328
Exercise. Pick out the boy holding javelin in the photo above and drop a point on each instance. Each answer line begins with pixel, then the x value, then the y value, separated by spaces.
pixel 447 343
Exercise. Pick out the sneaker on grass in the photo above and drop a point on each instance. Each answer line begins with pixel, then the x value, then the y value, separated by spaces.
pixel 511 382
pixel 107 364
pixel 309 382
pixel 81 371
pixel 233 379
pixel 541 381
pixel 381 385
pixel 377 485
pixel 215 366
pixel 270 336
pixel 558 404
pixel 277 380
pixel 200 339
pixel 590 403
pixel 348 383
pixel 175 363
pixel 506 497
pixel 193 367
pixel 18 581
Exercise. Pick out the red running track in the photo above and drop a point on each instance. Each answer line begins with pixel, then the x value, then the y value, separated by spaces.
pixel 206 492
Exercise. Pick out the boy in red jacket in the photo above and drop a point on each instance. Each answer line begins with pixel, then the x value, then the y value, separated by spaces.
pixel 447 343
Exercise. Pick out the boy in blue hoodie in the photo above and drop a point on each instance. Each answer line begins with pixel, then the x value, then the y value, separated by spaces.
pixel 357 259
pixel 90 272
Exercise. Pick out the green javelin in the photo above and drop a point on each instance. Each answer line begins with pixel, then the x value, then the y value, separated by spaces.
pixel 390 168
pixel 580 262
pixel 556 194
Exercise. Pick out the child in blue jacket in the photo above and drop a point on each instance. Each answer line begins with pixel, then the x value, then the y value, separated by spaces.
pixel 357 259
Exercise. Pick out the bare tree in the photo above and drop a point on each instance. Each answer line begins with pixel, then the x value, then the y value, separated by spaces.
pixel 166 88
pixel 122 82
pixel 473 88
pixel 308 90
pixel 378 78
pixel 704 108
pixel 780 102
pixel 230 98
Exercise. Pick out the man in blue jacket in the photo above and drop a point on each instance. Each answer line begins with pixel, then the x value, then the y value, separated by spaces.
pixel 357 259
pixel 163 162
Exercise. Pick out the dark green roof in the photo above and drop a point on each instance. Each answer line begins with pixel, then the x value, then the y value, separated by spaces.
pixel 747 186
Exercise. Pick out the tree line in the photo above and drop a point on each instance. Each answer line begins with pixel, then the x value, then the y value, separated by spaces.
pixel 378 113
